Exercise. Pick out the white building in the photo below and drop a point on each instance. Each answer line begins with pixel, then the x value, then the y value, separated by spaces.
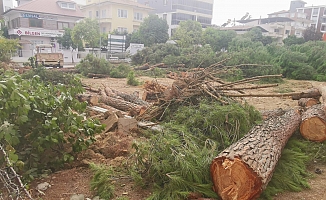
pixel 41 22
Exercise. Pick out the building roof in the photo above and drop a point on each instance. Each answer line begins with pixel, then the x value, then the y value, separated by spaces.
pixel 267 20
pixel 243 28
pixel 279 12
pixel 49 7
pixel 123 2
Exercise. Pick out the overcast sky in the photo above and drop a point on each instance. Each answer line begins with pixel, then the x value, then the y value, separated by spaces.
pixel 230 9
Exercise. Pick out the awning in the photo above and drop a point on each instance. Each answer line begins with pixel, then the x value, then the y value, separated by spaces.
pixel 24 42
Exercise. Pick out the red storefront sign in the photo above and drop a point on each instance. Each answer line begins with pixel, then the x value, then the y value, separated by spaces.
pixel 34 33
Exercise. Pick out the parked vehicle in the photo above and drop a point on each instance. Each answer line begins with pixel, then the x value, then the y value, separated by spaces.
pixel 46 57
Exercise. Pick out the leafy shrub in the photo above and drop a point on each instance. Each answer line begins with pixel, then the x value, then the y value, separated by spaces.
pixel 7 46
pixel 92 64
pixel 121 71
pixel 40 122
pixel 131 80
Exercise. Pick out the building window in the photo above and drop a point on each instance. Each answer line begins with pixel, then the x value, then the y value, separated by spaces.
pixel 122 13
pixel 68 6
pixel 138 16
pixel 103 13
pixel 90 14
pixel 323 28
pixel 97 14
pixel 325 11
pixel 103 29
pixel 63 25
pixel 122 30
pixel 15 23
pixel 64 5
pixel 165 16
pixel 165 2
pixel 33 22
pixel 315 11
pixel 287 32
pixel 276 30
pixel 71 6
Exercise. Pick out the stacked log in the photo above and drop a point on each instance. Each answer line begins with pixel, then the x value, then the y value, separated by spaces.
pixel 244 169
pixel 307 102
pixel 313 125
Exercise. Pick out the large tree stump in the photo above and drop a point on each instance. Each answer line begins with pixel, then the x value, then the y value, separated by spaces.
pixel 313 125
pixel 244 169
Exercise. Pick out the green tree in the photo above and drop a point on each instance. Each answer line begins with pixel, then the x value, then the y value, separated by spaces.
pixel 153 30
pixel 218 39
pixel 188 33
pixel 311 34
pixel 256 35
pixel 292 39
pixel 6 47
pixel 86 31
pixel 67 42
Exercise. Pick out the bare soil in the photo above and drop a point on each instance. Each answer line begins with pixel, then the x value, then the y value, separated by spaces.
pixel 76 180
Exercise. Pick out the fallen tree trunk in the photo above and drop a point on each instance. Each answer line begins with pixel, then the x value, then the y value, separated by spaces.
pixel 90 75
pixel 91 99
pixel 244 169
pixel 123 105
pixel 272 113
pixel 131 98
pixel 322 90
pixel 307 102
pixel 144 67
pixel 313 125
pixel 311 93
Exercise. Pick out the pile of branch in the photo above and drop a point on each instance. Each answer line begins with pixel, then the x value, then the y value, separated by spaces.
pixel 192 84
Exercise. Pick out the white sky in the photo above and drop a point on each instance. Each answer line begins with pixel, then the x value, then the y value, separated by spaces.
pixel 230 9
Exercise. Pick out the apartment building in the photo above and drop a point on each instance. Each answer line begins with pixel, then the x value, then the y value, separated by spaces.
pixel 5 5
pixel 120 15
pixel 41 22
pixel 317 14
pixel 175 11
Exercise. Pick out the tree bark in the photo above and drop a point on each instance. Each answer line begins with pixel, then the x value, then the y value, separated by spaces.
pixel 131 98
pixel 123 105
pixel 313 125
pixel 91 99
pixel 90 75
pixel 244 169
pixel 311 93
pixel 144 67
pixel 322 90
pixel 307 102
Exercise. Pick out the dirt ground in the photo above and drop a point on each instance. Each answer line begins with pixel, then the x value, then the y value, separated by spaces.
pixel 76 180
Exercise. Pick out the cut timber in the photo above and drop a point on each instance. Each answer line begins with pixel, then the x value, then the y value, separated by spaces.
pixel 131 98
pixel 272 113
pixel 125 125
pixel 322 90
pixel 121 104
pixel 244 169
pixel 311 93
pixel 307 102
pixel 91 99
pixel 110 123
pixel 144 67
pixel 313 125
pixel 90 75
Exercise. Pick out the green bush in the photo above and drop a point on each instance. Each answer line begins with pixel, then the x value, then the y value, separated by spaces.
pixel 131 80
pixel 121 71
pixel 51 76
pixel 92 64
pixel 42 125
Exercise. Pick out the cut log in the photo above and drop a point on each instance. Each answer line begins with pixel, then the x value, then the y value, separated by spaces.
pixel 121 104
pixel 307 102
pixel 159 65
pixel 144 67
pixel 313 125
pixel 91 99
pixel 244 169
pixel 131 98
pixel 90 75
pixel 322 90
pixel 311 93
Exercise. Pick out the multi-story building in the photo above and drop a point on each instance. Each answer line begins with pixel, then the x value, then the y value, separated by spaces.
pixel 41 22
pixel 5 5
pixel 175 11
pixel 317 14
pixel 120 15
